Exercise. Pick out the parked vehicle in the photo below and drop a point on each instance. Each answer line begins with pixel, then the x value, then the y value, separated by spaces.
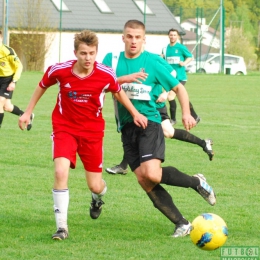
pixel 210 63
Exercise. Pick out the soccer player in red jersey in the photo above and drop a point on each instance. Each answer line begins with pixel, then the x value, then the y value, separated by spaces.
pixel 78 125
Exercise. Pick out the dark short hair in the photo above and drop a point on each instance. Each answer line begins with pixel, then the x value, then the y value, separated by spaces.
pixel 173 30
pixel 134 24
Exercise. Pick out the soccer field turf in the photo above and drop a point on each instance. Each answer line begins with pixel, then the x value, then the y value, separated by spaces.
pixel 129 226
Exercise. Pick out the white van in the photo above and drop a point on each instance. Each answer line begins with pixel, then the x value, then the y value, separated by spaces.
pixel 210 63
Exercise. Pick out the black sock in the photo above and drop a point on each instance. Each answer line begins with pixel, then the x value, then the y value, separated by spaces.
pixel 1 118
pixel 192 112
pixel 124 163
pixel 186 136
pixel 172 176
pixel 17 111
pixel 173 107
pixel 162 200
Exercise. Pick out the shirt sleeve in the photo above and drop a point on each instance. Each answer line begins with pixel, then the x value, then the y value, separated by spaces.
pixel 48 79
pixel 17 66
pixel 108 60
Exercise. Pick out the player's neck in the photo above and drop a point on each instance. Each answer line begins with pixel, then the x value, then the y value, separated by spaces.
pixel 173 43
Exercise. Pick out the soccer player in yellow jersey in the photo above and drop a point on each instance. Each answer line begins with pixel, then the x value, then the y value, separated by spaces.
pixel 10 72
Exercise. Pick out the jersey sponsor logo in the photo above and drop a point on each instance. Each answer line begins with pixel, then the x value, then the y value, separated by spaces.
pixel 67 85
pixel 137 91
pixel 173 60
pixel 80 98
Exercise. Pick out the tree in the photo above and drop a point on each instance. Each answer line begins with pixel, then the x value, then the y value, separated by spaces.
pixel 34 33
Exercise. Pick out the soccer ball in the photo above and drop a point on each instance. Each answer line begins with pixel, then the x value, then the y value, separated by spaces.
pixel 209 231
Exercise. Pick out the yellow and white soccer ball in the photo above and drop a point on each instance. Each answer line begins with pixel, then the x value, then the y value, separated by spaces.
pixel 209 231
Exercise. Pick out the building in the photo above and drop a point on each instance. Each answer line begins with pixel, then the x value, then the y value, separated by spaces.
pixel 67 17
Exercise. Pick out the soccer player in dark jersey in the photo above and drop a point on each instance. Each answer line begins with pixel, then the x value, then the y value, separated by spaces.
pixel 10 72
pixel 144 148
pixel 78 125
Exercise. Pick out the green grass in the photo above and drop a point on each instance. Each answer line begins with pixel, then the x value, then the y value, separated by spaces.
pixel 129 226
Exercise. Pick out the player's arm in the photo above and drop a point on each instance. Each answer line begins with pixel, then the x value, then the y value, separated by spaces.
pixel 182 95
pixel 25 118
pixel 139 119
pixel 17 65
pixel 134 77
pixel 187 61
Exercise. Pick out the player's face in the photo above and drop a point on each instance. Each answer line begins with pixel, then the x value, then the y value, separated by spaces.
pixel 173 36
pixel 134 40
pixel 86 56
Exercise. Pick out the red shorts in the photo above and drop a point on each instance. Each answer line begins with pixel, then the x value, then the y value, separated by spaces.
pixel 90 150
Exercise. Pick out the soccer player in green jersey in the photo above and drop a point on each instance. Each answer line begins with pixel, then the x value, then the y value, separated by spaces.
pixel 178 56
pixel 145 148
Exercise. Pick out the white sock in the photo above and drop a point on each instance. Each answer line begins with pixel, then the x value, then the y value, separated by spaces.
pixel 61 205
pixel 98 197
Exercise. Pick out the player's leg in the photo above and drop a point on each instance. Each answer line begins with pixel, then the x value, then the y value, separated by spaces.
pixel 61 197
pixel 182 135
pixel 172 176
pixel 148 170
pixel 2 102
pixel 98 189
pixel 90 151
pixel 120 168
pixel 173 106
pixel 192 110
pixel 9 107
pixel 64 155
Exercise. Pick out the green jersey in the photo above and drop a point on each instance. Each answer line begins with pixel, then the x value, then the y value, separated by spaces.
pixel 174 55
pixel 144 95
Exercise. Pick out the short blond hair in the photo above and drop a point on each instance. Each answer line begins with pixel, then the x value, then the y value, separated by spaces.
pixel 88 37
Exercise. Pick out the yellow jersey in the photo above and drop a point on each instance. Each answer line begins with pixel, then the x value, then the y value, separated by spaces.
pixel 10 64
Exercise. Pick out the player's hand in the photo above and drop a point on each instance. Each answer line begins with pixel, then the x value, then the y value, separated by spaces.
pixel 182 64
pixel 136 77
pixel 188 122
pixel 140 120
pixel 11 86
pixel 162 97
pixel 24 120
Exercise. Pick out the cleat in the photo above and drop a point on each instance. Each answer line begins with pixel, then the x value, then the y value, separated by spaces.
pixel 29 126
pixel 173 122
pixel 208 148
pixel 205 190
pixel 182 230
pixel 95 208
pixel 61 234
pixel 197 120
pixel 116 170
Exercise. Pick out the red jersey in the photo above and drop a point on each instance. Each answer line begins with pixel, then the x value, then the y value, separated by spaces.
pixel 80 100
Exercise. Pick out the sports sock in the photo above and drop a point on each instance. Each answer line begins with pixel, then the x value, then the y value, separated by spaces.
pixel 186 136
pixel 172 176
pixel 61 204
pixel 101 194
pixel 124 163
pixel 173 107
pixel 163 202
pixel 1 118
pixel 17 111
pixel 192 112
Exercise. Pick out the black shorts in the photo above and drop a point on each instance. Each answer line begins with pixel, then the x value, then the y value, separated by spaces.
pixel 163 113
pixel 142 145
pixel 4 83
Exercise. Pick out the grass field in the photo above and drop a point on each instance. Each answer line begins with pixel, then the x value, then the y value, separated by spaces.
pixel 129 226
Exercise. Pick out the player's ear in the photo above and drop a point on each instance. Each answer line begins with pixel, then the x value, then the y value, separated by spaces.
pixel 123 38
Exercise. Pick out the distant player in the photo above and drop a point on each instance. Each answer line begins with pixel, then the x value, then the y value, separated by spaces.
pixel 10 72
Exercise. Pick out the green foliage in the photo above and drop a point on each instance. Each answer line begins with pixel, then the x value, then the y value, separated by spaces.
pixel 129 226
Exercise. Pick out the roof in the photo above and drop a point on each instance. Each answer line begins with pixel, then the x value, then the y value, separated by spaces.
pixel 84 14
